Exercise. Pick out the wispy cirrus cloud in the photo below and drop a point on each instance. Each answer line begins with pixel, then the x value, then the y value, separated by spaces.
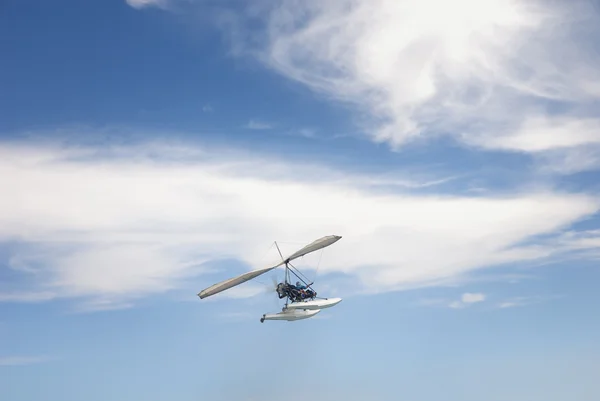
pixel 468 299
pixel 465 300
pixel 117 224
pixel 515 302
pixel 512 76
pixel 21 360
pixel 26 296
pixel 515 76
pixel 481 71
pixel 139 4
pixel 258 125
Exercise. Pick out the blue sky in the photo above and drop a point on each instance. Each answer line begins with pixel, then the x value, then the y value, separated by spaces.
pixel 149 149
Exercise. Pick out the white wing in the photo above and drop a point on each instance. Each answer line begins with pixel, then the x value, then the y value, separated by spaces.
pixel 314 246
pixel 232 282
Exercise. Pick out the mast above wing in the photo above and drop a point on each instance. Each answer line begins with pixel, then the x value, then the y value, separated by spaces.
pixel 232 282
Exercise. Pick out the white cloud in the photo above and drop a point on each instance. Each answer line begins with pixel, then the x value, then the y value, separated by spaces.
pixel 469 298
pixel 540 134
pixel 147 3
pixel 577 244
pixel 523 301
pixel 510 304
pixel 21 360
pixel 582 240
pixel 258 125
pixel 569 161
pixel 115 228
pixel 307 132
pixel 474 69
pixel 465 300
pixel 482 71
pixel 26 296
pixel 561 144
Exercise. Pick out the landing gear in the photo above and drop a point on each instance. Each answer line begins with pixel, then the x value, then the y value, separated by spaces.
pixel 262 319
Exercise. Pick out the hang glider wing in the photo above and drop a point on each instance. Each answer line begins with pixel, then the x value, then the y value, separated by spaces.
pixel 314 246
pixel 232 282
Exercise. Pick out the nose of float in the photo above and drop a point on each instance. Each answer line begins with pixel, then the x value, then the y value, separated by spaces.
pixel 333 301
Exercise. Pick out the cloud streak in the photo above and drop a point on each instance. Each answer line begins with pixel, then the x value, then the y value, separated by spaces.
pixel 523 301
pixel 140 4
pixel 112 229
pixel 465 300
pixel 258 125
pixel 21 360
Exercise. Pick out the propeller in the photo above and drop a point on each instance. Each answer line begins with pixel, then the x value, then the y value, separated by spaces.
pixel 270 288
pixel 272 291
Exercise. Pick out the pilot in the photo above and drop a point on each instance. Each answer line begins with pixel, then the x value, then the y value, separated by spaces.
pixel 299 286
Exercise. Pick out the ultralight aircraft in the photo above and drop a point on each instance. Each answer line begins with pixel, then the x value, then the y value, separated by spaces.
pixel 301 299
